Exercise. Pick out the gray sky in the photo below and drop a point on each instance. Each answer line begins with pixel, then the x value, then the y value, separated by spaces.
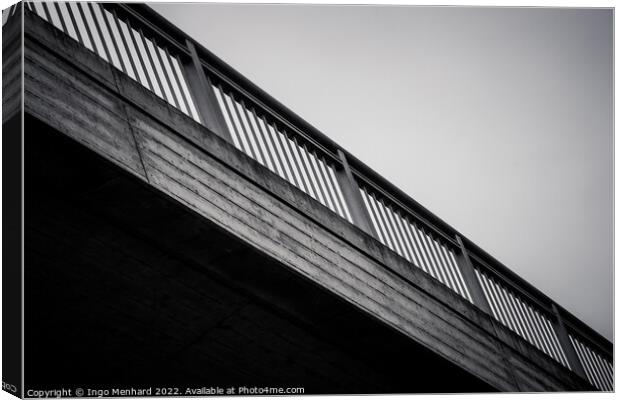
pixel 497 120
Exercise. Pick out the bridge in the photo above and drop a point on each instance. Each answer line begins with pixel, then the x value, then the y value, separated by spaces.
pixel 183 228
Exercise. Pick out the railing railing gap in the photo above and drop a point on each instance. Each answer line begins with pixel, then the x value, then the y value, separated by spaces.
pixel 154 53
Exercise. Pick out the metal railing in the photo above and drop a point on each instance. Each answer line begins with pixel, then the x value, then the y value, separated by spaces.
pixel 153 52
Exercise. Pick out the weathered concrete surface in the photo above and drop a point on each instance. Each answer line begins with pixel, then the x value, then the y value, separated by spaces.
pixel 73 91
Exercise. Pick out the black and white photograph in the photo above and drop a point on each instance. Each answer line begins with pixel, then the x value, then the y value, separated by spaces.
pixel 307 199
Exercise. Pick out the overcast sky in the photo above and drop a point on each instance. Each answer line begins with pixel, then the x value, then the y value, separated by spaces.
pixel 498 120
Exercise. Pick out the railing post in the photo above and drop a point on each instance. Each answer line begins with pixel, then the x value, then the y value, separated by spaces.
pixel 352 196
pixel 472 282
pixel 567 346
pixel 203 95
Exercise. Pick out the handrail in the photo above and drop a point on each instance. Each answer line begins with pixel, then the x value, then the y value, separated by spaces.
pixel 291 147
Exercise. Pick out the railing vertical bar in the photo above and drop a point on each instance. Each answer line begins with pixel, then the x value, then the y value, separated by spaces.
pixel 306 169
pixel 304 152
pixel 526 328
pixel 398 218
pixel 402 231
pixel 528 324
pixel 443 255
pixel 288 157
pixel 609 371
pixel 420 244
pixel 60 16
pixel 515 311
pixel 511 309
pixel 296 149
pixel 349 194
pixel 41 10
pixel 279 140
pixel 498 299
pixel 173 79
pixel 314 169
pixel 596 368
pixel 560 357
pixel 142 61
pixel 456 267
pixel 513 320
pixel 330 186
pixel 242 110
pixel 374 219
pixel 203 94
pixel 151 67
pixel 402 238
pixel 280 153
pixel 588 362
pixel 403 234
pixel 54 17
pixel 466 267
pixel 316 164
pixel 153 49
pixel 82 25
pixel 138 66
pixel 48 16
pixel 537 327
pixel 271 143
pixel 491 299
pixel 117 32
pixel 445 249
pixel 531 324
pixel 294 159
pixel 103 43
pixel 432 241
pixel 566 343
pixel 505 308
pixel 89 19
pixel 392 224
pixel 67 17
pixel 381 219
pixel 347 209
pixel 177 81
pixel 446 266
pixel 236 109
pixel 221 99
pixel 414 245
pixel 432 256
pixel 173 97
pixel 106 36
pixel 604 367
pixel 384 209
pixel 169 74
pixel 541 327
pixel 180 72
pixel 488 295
pixel 232 109
pixel 583 363
pixel 260 137
pixel 143 53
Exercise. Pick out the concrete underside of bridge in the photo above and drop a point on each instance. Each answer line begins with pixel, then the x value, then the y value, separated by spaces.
pixel 125 286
